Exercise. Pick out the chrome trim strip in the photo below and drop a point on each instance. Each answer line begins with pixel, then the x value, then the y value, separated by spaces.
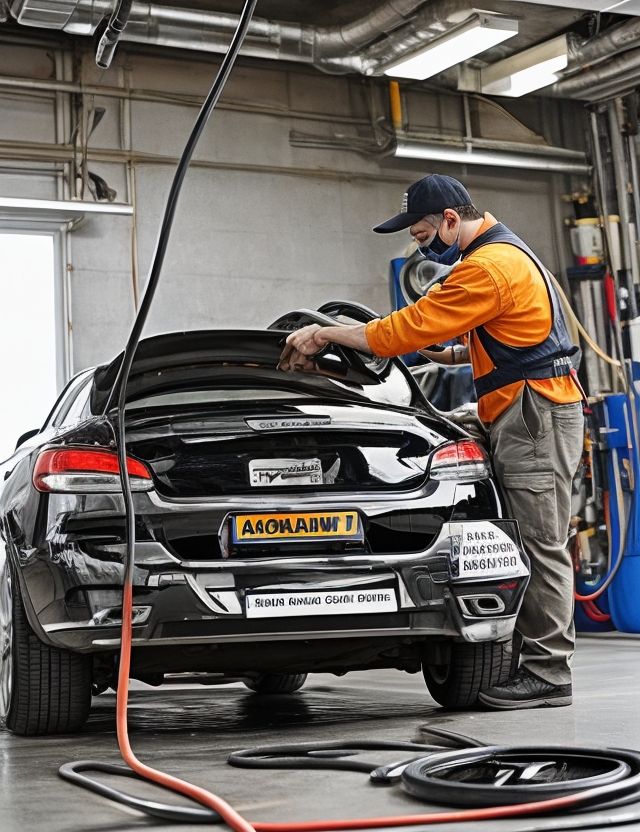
pixel 76 625
pixel 293 636
pixel 370 504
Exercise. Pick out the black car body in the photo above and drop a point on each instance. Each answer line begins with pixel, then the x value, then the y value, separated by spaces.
pixel 286 523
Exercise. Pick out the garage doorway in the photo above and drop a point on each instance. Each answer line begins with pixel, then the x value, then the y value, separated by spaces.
pixel 28 343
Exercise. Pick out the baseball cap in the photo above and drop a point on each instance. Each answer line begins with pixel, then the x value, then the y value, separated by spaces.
pixel 430 195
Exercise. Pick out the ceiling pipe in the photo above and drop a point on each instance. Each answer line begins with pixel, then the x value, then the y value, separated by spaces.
pixel 407 25
pixel 611 73
pixel 584 53
pixel 601 66
pixel 614 89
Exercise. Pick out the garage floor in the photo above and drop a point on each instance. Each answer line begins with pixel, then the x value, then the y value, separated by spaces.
pixel 189 731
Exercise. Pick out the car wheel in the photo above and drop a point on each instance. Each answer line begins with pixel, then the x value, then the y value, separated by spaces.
pixel 42 690
pixel 6 639
pixel 274 683
pixel 467 669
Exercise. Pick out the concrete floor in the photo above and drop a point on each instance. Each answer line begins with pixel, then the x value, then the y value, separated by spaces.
pixel 189 732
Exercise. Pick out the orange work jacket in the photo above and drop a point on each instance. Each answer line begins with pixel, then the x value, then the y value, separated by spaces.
pixel 497 286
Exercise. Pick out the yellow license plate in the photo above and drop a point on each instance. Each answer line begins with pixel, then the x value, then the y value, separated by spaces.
pixel 296 526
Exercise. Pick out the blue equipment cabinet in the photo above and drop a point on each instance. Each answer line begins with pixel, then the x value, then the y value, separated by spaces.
pixel 623 442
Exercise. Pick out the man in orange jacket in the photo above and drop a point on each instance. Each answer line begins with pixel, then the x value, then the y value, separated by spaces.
pixel 500 296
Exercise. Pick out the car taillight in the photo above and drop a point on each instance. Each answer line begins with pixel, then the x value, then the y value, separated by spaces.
pixel 461 461
pixel 78 470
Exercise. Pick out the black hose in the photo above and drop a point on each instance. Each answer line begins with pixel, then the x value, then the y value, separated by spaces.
pixel 497 776
pixel 185 814
pixel 71 771
pixel 119 389
pixel 482 776
pixel 332 755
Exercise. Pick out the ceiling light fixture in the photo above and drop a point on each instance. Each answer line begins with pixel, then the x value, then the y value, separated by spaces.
pixel 553 160
pixel 527 71
pixel 473 36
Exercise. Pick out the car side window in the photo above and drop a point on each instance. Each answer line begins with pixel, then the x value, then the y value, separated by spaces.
pixel 68 397
pixel 77 406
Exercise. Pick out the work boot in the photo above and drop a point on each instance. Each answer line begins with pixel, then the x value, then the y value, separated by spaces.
pixel 524 690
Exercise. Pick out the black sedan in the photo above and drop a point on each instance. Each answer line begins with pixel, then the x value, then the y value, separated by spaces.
pixel 286 523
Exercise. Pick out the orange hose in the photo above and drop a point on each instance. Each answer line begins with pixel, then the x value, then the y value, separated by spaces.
pixel 202 796
pixel 464 815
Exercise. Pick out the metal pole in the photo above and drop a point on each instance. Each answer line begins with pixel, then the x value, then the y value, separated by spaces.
pixel 601 191
pixel 632 145
pixel 622 190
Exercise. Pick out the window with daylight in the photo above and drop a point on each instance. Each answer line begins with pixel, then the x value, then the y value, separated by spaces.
pixel 28 351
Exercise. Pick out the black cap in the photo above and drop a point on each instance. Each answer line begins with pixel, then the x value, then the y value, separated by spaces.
pixel 430 195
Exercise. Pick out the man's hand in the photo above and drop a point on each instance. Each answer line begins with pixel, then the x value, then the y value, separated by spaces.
pixel 302 344
pixel 306 342
pixel 309 340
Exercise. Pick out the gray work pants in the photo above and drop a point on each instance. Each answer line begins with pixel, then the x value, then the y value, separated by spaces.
pixel 536 446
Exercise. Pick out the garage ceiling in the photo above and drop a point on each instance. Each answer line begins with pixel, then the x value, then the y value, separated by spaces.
pixel 364 36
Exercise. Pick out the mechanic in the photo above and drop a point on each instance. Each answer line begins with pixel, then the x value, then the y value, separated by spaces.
pixel 501 297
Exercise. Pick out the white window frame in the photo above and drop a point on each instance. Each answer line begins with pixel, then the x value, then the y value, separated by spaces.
pixel 56 218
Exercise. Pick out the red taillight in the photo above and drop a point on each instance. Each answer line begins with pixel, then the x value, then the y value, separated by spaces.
pixel 85 469
pixel 460 461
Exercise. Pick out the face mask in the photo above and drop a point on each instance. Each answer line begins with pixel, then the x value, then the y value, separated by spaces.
pixel 448 255
pixel 437 245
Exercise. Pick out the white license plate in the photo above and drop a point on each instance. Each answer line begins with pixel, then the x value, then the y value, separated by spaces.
pixel 288 472
pixel 484 550
pixel 334 602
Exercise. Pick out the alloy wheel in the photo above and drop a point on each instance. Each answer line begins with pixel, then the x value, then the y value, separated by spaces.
pixel 6 638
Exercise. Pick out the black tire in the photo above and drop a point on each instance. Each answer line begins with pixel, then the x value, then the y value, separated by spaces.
pixel 45 690
pixel 274 683
pixel 469 669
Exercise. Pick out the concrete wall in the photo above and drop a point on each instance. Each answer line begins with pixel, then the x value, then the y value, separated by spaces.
pixel 289 177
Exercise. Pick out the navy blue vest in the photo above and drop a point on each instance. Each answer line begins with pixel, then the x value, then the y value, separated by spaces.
pixel 549 358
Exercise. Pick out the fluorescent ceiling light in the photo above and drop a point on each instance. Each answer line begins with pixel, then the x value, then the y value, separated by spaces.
pixel 473 36
pixel 527 71
pixel 562 161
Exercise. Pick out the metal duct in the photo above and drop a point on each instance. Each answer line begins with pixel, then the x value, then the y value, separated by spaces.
pixel 617 39
pixel 407 26
pixel 337 49
pixel 613 89
pixel 611 73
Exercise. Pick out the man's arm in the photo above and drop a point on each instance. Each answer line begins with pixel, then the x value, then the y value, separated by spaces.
pixel 309 340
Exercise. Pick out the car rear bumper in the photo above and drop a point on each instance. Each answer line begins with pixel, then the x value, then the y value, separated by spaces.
pixel 426 595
